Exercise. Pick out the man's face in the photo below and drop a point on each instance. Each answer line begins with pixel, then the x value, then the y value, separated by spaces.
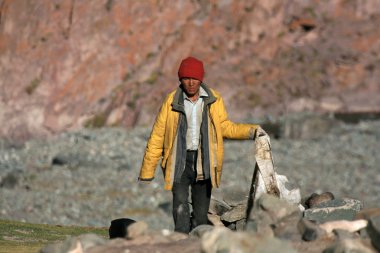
pixel 191 86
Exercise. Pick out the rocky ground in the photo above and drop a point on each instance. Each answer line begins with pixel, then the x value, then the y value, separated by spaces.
pixel 89 177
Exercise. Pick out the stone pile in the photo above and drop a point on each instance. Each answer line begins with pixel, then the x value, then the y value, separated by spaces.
pixel 272 225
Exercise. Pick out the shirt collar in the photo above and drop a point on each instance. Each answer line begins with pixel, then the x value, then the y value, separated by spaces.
pixel 202 93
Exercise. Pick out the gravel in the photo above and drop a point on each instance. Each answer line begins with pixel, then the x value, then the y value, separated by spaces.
pixel 89 177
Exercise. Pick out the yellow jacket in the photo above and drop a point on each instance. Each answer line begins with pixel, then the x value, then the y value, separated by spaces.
pixel 163 139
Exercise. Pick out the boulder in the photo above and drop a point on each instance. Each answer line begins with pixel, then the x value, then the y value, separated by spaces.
pixel 236 213
pixel 309 230
pixel 137 229
pixel 218 206
pixel 287 228
pixel 224 240
pixel 349 246
pixel 214 219
pixel 119 228
pixel 275 207
pixel 368 213
pixel 240 225
pixel 200 230
pixel 268 211
pixel 373 230
pixel 350 226
pixel 337 209
pixel 235 198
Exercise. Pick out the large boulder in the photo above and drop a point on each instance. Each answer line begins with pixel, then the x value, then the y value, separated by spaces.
pixel 336 209
pixel 269 211
pixel 373 230
pixel 224 240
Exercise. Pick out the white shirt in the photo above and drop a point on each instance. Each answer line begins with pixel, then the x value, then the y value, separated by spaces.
pixel 193 112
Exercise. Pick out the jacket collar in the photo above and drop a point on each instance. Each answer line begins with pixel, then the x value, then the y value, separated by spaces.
pixel 178 100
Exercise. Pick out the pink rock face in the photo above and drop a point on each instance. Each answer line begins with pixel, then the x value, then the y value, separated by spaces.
pixel 69 64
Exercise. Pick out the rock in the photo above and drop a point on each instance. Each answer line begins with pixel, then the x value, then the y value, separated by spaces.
pixel 343 234
pixel 287 228
pixel 268 211
pixel 349 246
pixel 368 213
pixel 235 198
pixel 309 230
pixel 240 225
pixel 11 180
pixel 350 226
pixel 214 219
pixel 293 196
pixel 337 209
pixel 218 206
pixel 149 244
pixel 119 228
pixel 90 240
pixel 137 229
pixel 236 213
pixel 316 199
pixel 200 230
pixel 75 244
pixel 224 240
pixel 173 236
pixel 277 208
pixel 65 159
pixel 373 230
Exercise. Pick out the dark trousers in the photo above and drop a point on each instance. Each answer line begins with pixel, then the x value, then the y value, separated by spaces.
pixel 200 197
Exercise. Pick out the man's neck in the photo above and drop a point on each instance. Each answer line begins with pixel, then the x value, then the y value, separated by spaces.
pixel 194 97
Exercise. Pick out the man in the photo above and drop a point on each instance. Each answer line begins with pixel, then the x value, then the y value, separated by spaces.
pixel 188 135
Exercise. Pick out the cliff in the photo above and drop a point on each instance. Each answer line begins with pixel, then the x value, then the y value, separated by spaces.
pixel 70 64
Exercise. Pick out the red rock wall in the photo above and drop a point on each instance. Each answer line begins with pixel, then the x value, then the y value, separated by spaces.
pixel 65 64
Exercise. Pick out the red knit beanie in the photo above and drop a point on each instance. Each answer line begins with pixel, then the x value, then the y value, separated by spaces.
pixel 191 67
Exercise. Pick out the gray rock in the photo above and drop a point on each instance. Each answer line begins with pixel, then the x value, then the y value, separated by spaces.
pixel 240 224
pixel 309 230
pixel 268 212
pixel 235 198
pixel 337 209
pixel 224 240
pixel 91 240
pixel 349 246
pixel 287 228
pixel 75 244
pixel 52 248
pixel 218 206
pixel 214 219
pixel 11 180
pixel 236 213
pixel 261 223
pixel 373 230
pixel 199 231
pixel 275 207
